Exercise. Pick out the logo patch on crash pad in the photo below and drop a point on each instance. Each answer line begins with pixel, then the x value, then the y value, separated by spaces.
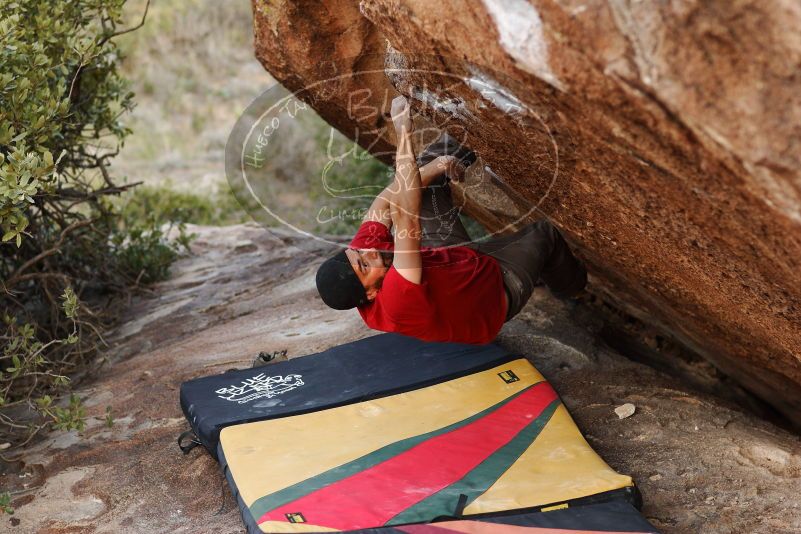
pixel 508 376
pixel 296 517
pixel 260 386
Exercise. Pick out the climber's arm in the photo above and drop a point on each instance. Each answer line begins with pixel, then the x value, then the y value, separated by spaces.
pixel 407 195
pixel 379 210
pixel 438 166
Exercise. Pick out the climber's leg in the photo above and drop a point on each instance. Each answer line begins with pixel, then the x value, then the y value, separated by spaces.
pixel 538 251
pixel 439 219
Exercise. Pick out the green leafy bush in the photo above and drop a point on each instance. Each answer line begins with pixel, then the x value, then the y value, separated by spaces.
pixel 5 503
pixel 145 253
pixel 165 204
pixel 65 253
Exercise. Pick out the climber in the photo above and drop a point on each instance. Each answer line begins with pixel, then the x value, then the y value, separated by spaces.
pixel 429 280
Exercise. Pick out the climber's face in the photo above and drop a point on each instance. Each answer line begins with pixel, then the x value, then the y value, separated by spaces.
pixel 370 266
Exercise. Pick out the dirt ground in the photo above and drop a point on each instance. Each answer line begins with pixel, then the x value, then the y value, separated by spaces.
pixel 702 464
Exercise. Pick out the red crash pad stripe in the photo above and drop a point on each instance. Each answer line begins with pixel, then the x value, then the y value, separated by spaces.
pixel 372 497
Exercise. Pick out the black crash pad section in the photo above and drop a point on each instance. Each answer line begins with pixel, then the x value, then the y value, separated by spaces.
pixel 370 368
pixel 615 516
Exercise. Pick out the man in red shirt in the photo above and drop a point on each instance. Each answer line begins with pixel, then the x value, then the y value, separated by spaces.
pixel 429 280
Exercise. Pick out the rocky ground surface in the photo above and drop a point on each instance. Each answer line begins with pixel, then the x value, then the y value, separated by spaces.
pixel 702 463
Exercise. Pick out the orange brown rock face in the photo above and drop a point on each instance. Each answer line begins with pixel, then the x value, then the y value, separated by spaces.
pixel 664 140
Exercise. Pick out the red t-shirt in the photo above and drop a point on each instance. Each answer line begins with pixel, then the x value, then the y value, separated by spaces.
pixel 460 297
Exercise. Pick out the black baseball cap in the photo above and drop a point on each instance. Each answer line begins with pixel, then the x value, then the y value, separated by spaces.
pixel 338 285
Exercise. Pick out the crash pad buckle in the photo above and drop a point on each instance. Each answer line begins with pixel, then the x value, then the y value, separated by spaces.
pixel 192 443
pixel 266 357
pixel 458 512
pixel 460 505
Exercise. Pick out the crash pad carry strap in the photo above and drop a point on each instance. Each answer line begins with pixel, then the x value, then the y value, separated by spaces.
pixel 458 512
pixel 266 357
pixel 194 442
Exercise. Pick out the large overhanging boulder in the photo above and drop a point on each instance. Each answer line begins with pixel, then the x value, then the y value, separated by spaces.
pixel 662 138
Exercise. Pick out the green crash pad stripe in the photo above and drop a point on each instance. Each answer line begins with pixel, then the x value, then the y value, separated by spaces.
pixel 479 479
pixel 291 493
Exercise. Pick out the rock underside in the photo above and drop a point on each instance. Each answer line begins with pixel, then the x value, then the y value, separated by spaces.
pixel 702 464
pixel 664 139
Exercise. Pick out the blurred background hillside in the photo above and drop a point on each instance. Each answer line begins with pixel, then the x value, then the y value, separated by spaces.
pixel 193 72
pixel 192 69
